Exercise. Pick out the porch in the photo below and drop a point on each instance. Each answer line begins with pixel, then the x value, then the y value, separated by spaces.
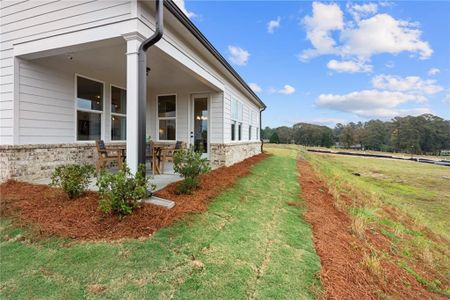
pixel 83 95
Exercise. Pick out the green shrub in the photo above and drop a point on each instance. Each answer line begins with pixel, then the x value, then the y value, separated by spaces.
pixel 73 179
pixel 120 192
pixel 190 165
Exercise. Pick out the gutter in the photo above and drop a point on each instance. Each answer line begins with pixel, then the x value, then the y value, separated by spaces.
pixel 260 128
pixel 175 10
pixel 142 79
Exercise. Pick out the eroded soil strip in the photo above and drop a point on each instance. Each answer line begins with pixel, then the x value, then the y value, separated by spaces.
pixel 50 211
pixel 343 273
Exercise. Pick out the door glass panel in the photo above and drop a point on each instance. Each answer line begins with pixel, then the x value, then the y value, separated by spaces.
pixel 201 125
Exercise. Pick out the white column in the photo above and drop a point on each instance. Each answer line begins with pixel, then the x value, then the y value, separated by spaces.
pixel 134 40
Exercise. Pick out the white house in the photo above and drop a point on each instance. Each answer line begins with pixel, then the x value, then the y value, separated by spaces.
pixel 69 77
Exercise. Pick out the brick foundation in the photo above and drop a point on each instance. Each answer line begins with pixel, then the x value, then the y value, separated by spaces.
pixel 30 162
pixel 228 154
pixel 33 162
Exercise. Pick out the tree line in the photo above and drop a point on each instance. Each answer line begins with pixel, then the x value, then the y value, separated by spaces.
pixel 425 134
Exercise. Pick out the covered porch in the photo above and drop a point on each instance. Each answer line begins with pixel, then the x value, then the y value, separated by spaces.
pixel 89 94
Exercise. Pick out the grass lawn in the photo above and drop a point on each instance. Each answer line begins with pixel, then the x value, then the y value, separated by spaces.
pixel 419 193
pixel 249 244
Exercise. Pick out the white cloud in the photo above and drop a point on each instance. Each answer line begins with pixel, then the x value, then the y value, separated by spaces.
pixel 362 38
pixel 238 56
pixel 328 121
pixel 325 19
pixel 255 87
pixel 273 24
pixel 349 66
pixel 371 103
pixel 412 84
pixel 181 4
pixel 287 90
pixel 362 10
pixel 433 71
pixel 383 34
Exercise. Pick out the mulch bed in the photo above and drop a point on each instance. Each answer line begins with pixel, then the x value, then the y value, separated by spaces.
pixel 49 211
pixel 341 253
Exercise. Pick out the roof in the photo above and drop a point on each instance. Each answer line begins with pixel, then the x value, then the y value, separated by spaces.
pixel 176 11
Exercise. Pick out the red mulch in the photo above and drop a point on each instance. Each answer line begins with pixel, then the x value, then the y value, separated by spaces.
pixel 49 210
pixel 343 274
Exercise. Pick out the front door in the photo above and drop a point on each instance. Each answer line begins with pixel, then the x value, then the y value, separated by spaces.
pixel 200 130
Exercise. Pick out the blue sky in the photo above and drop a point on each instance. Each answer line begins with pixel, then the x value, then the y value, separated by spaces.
pixel 328 62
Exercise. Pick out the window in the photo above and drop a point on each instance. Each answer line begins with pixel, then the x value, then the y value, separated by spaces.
pixel 257 133
pixel 118 114
pixel 240 131
pixel 233 130
pixel 236 119
pixel 250 132
pixel 89 109
pixel 167 117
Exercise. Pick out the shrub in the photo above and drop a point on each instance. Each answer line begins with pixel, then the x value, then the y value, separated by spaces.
pixel 120 192
pixel 189 164
pixel 73 179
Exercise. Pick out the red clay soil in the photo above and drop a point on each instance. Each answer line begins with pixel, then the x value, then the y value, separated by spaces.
pixel 50 212
pixel 343 273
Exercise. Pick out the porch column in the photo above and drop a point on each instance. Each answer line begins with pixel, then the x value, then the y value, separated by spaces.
pixel 134 40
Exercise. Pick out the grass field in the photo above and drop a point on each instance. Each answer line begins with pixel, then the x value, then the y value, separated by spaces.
pixel 249 244
pixel 406 201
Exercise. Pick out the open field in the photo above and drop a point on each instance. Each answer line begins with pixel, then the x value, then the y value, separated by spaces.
pixel 404 201
pixel 397 154
pixel 249 244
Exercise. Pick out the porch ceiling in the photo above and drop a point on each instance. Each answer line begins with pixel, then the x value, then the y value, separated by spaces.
pixel 166 73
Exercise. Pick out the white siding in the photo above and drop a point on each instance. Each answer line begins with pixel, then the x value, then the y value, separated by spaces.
pixel 249 107
pixel 23 21
pixel 216 115
pixel 46 109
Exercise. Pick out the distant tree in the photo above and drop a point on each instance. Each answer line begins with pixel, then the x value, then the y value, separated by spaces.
pixel 348 135
pixel 376 135
pixel 285 134
pixel 421 134
pixel 274 138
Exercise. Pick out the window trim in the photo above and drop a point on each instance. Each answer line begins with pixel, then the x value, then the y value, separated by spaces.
pixel 111 113
pixel 238 121
pixel 101 112
pixel 167 118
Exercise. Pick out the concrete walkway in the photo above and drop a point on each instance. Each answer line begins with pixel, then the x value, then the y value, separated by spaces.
pixel 160 181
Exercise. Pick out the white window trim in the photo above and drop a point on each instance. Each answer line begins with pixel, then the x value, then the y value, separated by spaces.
pixel 102 112
pixel 113 113
pixel 237 121
pixel 167 118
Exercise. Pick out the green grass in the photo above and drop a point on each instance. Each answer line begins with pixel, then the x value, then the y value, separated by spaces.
pixel 418 191
pixel 252 245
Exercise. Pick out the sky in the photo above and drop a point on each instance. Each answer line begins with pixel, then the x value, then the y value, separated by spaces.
pixel 334 62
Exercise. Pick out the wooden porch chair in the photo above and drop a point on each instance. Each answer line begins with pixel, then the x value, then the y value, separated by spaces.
pixel 168 152
pixel 106 155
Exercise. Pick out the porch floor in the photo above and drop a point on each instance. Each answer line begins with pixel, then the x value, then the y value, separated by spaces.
pixel 160 181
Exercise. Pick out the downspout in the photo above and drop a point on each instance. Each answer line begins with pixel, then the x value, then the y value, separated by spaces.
pixel 142 80
pixel 260 128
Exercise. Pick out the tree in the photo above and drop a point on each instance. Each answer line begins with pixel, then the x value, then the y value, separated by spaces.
pixel 274 138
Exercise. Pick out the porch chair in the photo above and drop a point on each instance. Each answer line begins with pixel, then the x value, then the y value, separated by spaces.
pixel 153 154
pixel 106 155
pixel 168 153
